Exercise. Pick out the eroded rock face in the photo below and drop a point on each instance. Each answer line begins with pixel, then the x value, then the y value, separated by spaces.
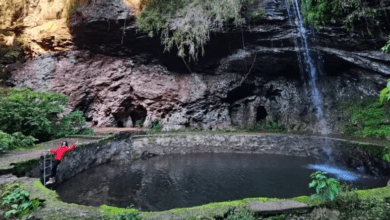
pixel 118 76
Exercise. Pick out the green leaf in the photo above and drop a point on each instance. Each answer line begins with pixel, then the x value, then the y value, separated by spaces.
pixel 322 184
pixel 10 212
pixel 383 94
pixel 331 196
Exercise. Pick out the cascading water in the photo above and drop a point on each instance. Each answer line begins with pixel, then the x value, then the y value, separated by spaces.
pixel 310 68
pixel 307 63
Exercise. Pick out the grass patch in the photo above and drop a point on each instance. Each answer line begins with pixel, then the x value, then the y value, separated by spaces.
pixel 112 210
pixel 377 192
pixel 45 191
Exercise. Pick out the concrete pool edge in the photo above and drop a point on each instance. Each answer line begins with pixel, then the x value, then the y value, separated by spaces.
pixel 56 209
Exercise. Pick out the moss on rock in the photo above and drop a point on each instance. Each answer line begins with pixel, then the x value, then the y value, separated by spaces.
pixel 21 168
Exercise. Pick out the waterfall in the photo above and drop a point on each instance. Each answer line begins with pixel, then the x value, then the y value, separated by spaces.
pixel 308 64
pixel 310 71
pixel 309 67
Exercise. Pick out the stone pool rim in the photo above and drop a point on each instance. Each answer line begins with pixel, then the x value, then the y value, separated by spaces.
pixel 37 190
pixel 128 146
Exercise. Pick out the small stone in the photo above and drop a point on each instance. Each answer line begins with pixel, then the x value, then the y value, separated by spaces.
pixel 276 207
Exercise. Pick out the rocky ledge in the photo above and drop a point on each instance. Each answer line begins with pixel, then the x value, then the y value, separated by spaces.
pixel 118 76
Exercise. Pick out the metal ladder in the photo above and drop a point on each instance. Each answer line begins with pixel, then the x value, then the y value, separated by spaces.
pixel 45 158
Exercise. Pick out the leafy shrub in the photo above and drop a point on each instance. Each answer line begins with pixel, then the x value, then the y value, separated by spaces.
pixel 36 113
pixel 129 216
pixel 351 13
pixel 188 23
pixel 156 127
pixel 365 117
pixel 69 124
pixel 352 206
pixel 323 12
pixel 140 123
pixel 268 126
pixel 16 140
pixel 326 188
pixel 18 201
pixel 87 131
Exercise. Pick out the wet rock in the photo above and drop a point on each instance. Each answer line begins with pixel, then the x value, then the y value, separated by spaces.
pixel 146 155
pixel 321 213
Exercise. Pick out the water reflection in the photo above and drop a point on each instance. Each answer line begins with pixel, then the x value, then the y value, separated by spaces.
pixel 173 181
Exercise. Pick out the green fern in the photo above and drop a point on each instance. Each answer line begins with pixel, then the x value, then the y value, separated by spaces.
pixel 385 92
pixel 386 48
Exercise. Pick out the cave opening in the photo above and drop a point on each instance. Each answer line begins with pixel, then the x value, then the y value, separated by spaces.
pixel 240 92
pixel 261 113
pixel 120 124
pixel 139 114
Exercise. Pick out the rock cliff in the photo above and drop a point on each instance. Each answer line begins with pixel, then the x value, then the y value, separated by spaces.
pixel 118 76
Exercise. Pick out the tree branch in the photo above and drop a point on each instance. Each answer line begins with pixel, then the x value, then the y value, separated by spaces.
pixel 248 72
pixel 186 65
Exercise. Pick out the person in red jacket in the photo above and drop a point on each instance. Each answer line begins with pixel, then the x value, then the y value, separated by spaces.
pixel 59 155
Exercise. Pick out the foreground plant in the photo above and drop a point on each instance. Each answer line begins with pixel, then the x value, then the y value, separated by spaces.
pixel 326 188
pixel 353 206
pixel 18 201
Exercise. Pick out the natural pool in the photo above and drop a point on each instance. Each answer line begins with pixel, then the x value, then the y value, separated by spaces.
pixel 176 180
